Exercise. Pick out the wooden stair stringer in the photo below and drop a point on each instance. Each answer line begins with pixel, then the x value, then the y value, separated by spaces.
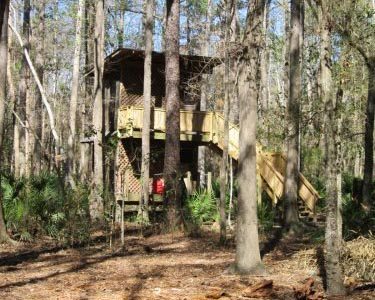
pixel 269 165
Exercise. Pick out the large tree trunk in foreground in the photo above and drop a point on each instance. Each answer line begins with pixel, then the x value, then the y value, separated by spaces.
pixel 248 259
pixel 4 13
pixel 146 113
pixel 334 273
pixel 293 110
pixel 74 96
pixel 172 95
pixel 96 202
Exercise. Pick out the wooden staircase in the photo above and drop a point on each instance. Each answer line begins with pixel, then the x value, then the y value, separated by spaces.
pixel 208 127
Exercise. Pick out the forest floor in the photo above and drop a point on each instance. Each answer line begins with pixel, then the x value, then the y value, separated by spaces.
pixel 161 266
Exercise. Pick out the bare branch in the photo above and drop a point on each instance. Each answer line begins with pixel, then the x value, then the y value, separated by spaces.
pixel 37 80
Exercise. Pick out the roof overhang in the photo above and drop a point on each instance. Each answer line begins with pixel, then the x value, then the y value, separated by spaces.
pixel 188 63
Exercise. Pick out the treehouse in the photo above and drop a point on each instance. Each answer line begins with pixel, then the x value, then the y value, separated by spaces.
pixel 123 112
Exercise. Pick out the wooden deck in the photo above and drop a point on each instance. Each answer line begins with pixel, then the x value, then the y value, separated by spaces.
pixel 208 127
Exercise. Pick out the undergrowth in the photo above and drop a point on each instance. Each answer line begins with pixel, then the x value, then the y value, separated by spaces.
pixel 43 205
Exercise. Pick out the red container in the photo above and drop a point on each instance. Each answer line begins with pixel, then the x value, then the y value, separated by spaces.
pixel 158 186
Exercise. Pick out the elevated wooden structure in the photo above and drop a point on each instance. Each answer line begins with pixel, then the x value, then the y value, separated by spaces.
pixel 207 128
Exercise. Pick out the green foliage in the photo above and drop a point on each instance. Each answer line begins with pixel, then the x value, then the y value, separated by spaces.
pixel 312 162
pixel 266 217
pixel 356 221
pixel 42 205
pixel 201 207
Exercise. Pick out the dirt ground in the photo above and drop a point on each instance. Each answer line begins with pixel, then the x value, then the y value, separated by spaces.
pixel 158 267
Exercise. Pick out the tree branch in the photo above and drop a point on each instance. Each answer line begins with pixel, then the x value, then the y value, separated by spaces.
pixel 40 87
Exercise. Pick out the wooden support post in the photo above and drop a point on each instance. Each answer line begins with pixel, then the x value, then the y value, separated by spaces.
pixel 259 188
pixel 188 183
pixel 209 182
pixel 125 196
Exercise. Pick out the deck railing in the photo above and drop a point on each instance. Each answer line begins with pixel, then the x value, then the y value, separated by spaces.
pixel 209 127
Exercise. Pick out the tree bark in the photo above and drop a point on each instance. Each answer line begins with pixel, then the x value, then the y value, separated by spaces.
pixel 96 203
pixel 369 138
pixel 145 168
pixel 72 143
pixel 23 93
pixel 120 34
pixel 224 159
pixel 4 14
pixel 264 66
pixel 247 249
pixel 39 66
pixel 286 51
pixel 293 111
pixel 334 273
pixel 172 141
pixel 204 94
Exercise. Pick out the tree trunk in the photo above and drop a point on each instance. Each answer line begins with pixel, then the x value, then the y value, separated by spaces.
pixel 39 65
pixel 120 34
pixel 224 159
pixel 147 112
pixel 23 94
pixel 339 158
pixel 88 44
pixel 172 95
pixel 264 65
pixel 96 203
pixel 286 51
pixel 247 249
pixel 4 14
pixel 293 111
pixel 71 158
pixel 204 95
pixel 234 38
pixel 369 138
pixel 332 237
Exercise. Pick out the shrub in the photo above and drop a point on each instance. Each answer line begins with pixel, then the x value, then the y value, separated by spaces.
pixel 42 205
pixel 201 207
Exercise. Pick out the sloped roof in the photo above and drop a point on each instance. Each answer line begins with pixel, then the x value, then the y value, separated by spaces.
pixel 188 63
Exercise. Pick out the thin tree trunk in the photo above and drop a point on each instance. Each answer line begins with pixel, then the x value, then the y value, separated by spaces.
pixel 332 237
pixel 120 34
pixel 369 138
pixel 234 39
pixel 23 92
pixel 39 66
pixel 96 203
pixel 230 193
pixel 339 158
pixel 4 14
pixel 147 112
pixel 264 63
pixel 293 111
pixel 204 95
pixel 224 159
pixel 247 249
pixel 172 141
pixel 85 150
pixel 71 158
pixel 286 51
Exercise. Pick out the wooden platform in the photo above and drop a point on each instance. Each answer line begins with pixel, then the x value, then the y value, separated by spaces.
pixel 207 128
